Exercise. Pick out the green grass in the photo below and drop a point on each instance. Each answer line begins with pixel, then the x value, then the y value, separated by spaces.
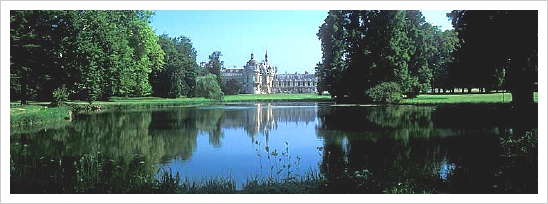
pixel 462 98
pixel 229 98
pixel 36 114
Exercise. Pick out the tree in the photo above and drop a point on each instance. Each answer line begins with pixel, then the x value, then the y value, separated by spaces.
pixel 320 76
pixel 490 40
pixel 214 67
pixel 331 34
pixel 442 61
pixel 32 52
pixel 94 54
pixel 178 77
pixel 207 87
pixel 232 87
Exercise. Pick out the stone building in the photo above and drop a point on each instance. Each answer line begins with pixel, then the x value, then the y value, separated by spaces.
pixel 261 78
pixel 294 83
pixel 258 76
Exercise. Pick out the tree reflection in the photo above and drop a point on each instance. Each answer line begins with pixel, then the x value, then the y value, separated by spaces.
pixel 413 144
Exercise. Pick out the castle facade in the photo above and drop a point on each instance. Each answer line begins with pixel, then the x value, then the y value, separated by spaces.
pixel 262 78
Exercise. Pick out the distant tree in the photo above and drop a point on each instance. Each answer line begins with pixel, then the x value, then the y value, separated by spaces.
pixel 232 87
pixel 443 60
pixel 214 66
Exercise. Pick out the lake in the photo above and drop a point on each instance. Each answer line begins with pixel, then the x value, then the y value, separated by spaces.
pixel 457 148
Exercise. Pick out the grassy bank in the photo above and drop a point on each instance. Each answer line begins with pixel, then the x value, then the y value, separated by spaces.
pixel 462 98
pixel 40 112
pixel 37 114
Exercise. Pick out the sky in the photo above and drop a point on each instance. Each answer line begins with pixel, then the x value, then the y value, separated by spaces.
pixel 289 36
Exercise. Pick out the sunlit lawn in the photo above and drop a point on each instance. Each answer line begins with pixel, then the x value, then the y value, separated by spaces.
pixel 463 98
pixel 229 98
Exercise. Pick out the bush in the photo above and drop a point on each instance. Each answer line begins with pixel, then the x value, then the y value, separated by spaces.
pixel 60 96
pixel 385 92
pixel 207 87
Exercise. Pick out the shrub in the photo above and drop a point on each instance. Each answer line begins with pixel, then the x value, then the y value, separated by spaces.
pixel 207 87
pixel 385 92
pixel 60 96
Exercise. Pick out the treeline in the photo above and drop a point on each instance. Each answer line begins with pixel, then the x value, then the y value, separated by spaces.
pixel 380 55
pixel 96 54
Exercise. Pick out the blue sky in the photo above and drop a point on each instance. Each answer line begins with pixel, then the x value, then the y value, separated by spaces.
pixel 289 35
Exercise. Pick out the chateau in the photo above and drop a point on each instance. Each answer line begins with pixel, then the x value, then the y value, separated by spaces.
pixel 262 78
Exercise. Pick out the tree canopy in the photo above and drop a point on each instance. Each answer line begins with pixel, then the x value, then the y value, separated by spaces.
pixel 362 49
pixel 96 54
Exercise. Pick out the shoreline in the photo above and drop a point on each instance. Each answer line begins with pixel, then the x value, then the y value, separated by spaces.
pixel 38 113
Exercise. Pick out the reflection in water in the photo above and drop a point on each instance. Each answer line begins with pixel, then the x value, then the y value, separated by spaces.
pixel 396 144
pixel 445 169
pixel 422 145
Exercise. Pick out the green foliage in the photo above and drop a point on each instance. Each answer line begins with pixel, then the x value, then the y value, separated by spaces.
pixel 60 96
pixel 214 67
pixel 522 146
pixel 96 53
pixel 207 87
pixel 386 92
pixel 484 49
pixel 232 87
pixel 362 49
pixel 178 76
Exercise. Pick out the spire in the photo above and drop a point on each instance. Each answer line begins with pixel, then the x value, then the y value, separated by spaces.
pixel 266 56
pixel 251 52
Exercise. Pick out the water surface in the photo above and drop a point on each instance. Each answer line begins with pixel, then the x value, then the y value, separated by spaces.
pixel 396 144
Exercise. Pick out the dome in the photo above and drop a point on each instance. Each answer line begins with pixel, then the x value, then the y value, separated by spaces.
pixel 252 62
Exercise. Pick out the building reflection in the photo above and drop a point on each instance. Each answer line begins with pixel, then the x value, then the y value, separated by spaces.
pixel 262 118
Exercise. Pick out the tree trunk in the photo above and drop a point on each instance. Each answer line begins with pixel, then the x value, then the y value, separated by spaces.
pixel 522 94
pixel 23 82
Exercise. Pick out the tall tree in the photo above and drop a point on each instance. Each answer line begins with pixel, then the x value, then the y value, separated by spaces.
pixel 178 77
pixel 331 35
pixel 214 67
pixel 320 77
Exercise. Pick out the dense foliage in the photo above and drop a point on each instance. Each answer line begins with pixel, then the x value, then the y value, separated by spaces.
pixel 364 48
pixel 207 87
pixel 486 50
pixel 232 87
pixel 498 48
pixel 385 92
pixel 95 54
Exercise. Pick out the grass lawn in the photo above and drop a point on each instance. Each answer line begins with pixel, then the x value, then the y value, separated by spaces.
pixel 32 114
pixel 462 98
